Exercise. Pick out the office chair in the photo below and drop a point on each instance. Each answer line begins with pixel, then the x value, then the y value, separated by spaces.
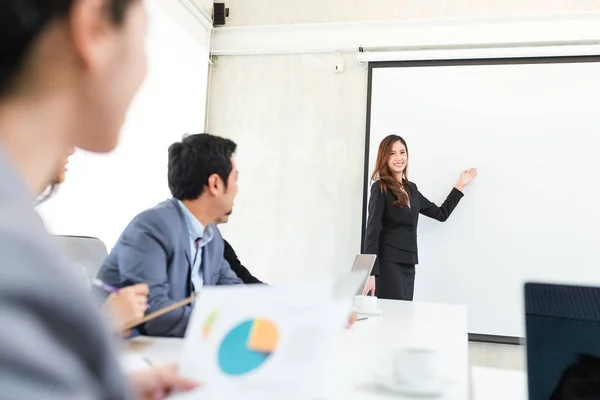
pixel 85 254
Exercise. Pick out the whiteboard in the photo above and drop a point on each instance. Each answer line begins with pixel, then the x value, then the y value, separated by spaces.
pixel 532 130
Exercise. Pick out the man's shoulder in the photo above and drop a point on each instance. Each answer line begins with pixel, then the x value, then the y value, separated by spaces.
pixel 162 222
pixel 163 217
pixel 35 276
pixel 167 208
pixel 30 258
pixel 38 290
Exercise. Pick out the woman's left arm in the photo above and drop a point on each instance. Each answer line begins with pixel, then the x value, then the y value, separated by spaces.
pixel 442 213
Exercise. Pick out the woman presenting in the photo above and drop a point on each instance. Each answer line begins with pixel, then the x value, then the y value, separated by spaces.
pixel 394 209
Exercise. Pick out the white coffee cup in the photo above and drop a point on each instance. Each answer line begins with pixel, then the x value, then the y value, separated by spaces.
pixel 366 304
pixel 415 365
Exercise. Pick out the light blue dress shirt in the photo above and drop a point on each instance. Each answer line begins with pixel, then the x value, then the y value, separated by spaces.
pixel 196 231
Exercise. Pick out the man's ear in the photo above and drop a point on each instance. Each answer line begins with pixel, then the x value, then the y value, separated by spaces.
pixel 90 29
pixel 213 184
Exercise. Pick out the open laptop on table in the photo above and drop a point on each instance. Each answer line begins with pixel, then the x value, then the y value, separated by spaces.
pixel 563 341
pixel 364 262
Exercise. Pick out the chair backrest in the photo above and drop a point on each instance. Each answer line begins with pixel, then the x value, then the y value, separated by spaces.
pixel 84 254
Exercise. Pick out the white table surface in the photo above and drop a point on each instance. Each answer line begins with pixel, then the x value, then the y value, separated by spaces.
pixel 498 384
pixel 364 351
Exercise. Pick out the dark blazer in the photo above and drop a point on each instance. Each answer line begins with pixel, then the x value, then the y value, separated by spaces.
pixel 392 231
pixel 155 249
pixel 236 265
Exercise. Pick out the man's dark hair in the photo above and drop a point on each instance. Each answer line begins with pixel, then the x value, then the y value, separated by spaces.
pixel 22 22
pixel 193 160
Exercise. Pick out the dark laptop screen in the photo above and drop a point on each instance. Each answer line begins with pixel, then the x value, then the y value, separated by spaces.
pixel 563 342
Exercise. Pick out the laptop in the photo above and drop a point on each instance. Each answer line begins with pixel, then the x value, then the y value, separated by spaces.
pixel 364 262
pixel 563 341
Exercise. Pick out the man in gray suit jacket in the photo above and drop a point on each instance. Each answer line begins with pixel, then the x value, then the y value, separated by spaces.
pixel 175 246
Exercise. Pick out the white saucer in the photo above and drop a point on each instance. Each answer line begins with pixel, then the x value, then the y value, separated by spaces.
pixel 428 390
pixel 372 313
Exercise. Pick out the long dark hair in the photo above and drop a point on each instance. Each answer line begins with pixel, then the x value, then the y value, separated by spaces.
pixel 22 22
pixel 383 174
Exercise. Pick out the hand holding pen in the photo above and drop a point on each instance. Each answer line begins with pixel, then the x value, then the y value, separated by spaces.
pixel 124 305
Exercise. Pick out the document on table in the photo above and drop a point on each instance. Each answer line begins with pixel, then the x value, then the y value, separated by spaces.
pixel 265 341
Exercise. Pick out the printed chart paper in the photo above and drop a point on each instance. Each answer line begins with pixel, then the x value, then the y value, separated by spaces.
pixel 257 341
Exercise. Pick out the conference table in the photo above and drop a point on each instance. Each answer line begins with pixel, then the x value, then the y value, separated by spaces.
pixel 498 384
pixel 362 357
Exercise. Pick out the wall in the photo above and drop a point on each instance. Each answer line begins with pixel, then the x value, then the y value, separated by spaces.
pixel 268 12
pixel 300 170
pixel 103 192
pixel 301 127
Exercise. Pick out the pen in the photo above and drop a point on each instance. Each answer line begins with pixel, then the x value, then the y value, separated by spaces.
pixel 105 286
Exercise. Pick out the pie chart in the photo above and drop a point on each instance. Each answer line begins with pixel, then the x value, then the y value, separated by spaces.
pixel 247 346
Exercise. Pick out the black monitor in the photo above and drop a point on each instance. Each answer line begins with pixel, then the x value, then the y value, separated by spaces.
pixel 563 341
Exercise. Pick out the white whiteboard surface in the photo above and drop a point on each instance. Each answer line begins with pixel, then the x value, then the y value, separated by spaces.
pixel 532 214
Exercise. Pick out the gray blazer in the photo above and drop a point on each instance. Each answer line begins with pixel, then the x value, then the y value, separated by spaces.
pixel 53 342
pixel 155 249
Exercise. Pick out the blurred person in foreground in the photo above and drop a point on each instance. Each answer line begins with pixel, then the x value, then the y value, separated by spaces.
pixel 69 70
